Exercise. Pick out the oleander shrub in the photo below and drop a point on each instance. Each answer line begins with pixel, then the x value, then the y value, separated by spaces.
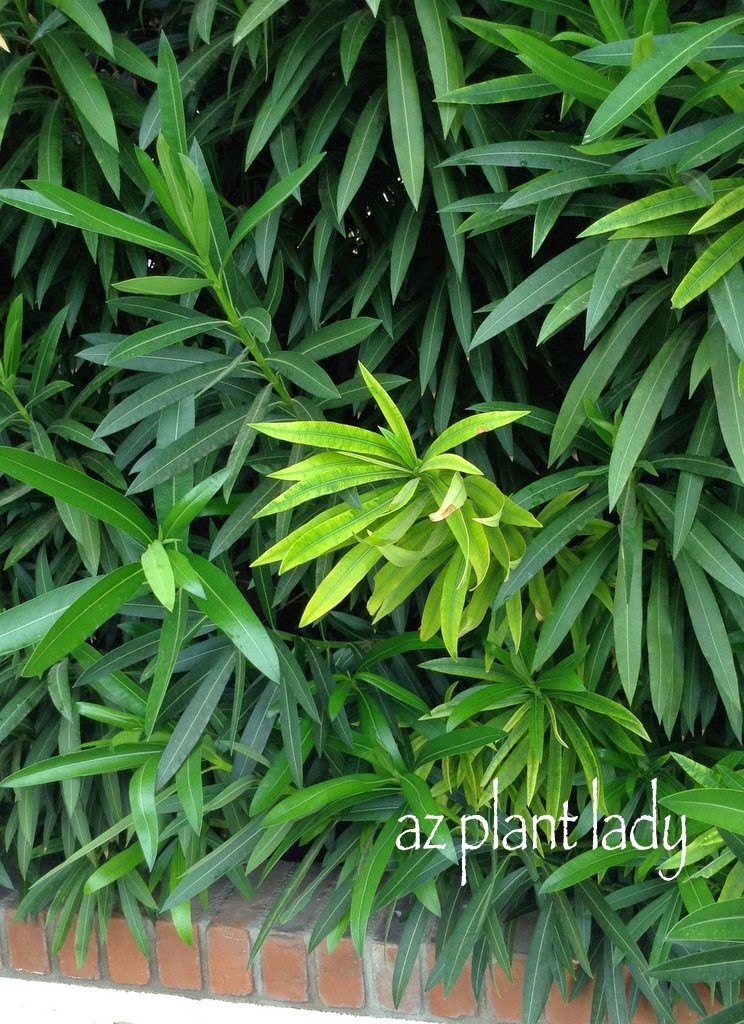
pixel 372 445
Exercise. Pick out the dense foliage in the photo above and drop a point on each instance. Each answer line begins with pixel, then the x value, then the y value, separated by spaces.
pixel 466 273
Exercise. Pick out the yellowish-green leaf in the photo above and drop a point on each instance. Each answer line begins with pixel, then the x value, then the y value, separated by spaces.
pixel 159 574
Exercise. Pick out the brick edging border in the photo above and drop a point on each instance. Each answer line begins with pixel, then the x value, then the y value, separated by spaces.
pixel 284 972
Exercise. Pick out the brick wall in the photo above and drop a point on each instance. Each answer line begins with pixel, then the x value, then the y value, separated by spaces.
pixel 283 973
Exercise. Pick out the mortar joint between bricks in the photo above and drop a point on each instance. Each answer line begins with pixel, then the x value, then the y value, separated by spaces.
pixel 256 966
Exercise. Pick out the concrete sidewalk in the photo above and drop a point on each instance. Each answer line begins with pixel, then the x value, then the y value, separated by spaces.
pixel 58 1003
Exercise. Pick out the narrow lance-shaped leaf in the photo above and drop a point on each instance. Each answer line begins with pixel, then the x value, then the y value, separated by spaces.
pixel 405 109
pixel 170 99
pixel 553 278
pixel 84 616
pixel 228 609
pixel 91 20
pixel 647 77
pixel 194 720
pixel 729 403
pixel 710 630
pixel 272 199
pixel 644 407
pixel 61 205
pixel 144 811
pixel 80 764
pixel 77 489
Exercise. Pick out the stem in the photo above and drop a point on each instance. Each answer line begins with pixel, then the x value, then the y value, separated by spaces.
pixel 8 389
pixel 247 339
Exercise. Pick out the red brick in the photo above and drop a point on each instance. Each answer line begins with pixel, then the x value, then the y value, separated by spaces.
pixel 228 949
pixel 27 944
pixel 90 969
pixel 340 981
pixel 127 965
pixel 383 966
pixel 577 1009
pixel 460 1002
pixel 284 968
pixel 504 997
pixel 179 965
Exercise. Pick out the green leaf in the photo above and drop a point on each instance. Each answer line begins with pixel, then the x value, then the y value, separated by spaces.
pixel 618 257
pixel 26 623
pixel 319 798
pixel 722 808
pixel 458 741
pixel 144 810
pixel 18 707
pixel 271 200
pixel 721 922
pixel 409 946
pixel 91 20
pixel 557 67
pixel 84 616
pixel 363 146
pixel 709 628
pixel 442 54
pixel 336 338
pixel 714 144
pixel 59 204
pixel 589 864
pixel 599 366
pixel 538 288
pixel 228 609
pixel 690 486
pixel 256 14
pixel 616 931
pixel 114 868
pixel 187 508
pixel 727 295
pixel 195 718
pixel 334 436
pixel 190 790
pixel 405 109
pixel 392 414
pixel 82 86
pixel 353 35
pixel 506 89
pixel 403 247
pixel 368 877
pixel 654 71
pixel 157 285
pixel 719 257
pixel 644 407
pixel 77 489
pixel 459 943
pixel 188 449
pixel 159 573
pixel 11 80
pixel 553 536
pixel 102 759
pixel 455 580
pixel 169 647
pixel 349 570
pixel 229 854
pixel 572 598
pixel 720 964
pixel 729 403
pixel 471 426
pixel 156 396
pixel 538 981
pixel 305 373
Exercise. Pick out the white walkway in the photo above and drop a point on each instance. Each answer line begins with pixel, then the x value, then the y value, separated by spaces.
pixel 57 1003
